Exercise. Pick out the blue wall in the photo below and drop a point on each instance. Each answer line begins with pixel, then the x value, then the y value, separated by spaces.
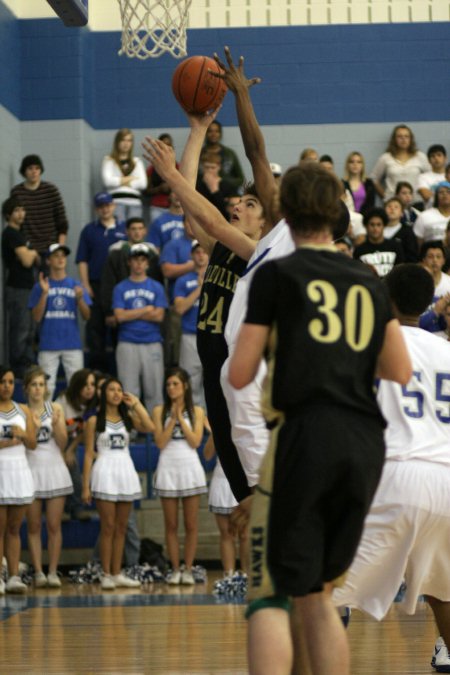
pixel 311 75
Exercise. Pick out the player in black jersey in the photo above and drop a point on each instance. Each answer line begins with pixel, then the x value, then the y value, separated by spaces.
pixel 328 326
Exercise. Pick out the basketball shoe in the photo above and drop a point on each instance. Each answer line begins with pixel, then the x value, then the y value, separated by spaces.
pixel 440 660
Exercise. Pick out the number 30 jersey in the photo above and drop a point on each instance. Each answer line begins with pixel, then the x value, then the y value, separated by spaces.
pixel 223 272
pixel 328 315
pixel 418 414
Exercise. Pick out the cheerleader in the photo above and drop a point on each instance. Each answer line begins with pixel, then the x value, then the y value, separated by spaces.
pixel 112 479
pixel 179 475
pixel 51 477
pixel 17 432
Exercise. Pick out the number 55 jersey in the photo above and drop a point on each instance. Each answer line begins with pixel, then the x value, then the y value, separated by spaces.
pixel 419 413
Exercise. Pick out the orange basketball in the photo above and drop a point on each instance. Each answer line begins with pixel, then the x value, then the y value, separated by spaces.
pixel 195 89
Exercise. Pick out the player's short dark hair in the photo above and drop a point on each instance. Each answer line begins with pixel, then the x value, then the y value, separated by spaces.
pixel 376 212
pixel 132 221
pixel 9 205
pixel 430 244
pixel 437 147
pixel 411 288
pixel 310 198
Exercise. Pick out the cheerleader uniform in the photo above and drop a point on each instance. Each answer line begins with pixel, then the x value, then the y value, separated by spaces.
pixel 179 472
pixel 50 474
pixel 16 481
pixel 221 499
pixel 113 476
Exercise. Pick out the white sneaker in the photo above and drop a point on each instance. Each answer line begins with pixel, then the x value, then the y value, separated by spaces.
pixel 40 580
pixel 107 583
pixel 186 578
pixel 122 581
pixel 53 580
pixel 175 578
pixel 2 587
pixel 15 585
pixel 441 659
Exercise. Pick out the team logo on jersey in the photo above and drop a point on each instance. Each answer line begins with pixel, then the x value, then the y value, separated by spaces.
pixel 138 303
pixel 117 442
pixel 59 302
pixel 43 435
pixel 5 431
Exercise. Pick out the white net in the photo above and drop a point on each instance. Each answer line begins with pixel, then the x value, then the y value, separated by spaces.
pixel 152 27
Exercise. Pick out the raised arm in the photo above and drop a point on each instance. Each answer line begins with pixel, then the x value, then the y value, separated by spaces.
pixel 202 211
pixel 255 147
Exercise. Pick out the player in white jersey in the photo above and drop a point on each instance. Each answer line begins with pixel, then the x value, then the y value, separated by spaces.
pixel 407 530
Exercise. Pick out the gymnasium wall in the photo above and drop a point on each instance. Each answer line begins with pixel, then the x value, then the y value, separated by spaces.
pixel 337 75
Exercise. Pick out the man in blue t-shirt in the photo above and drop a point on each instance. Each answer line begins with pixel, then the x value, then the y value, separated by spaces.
pixel 139 304
pixel 186 303
pixel 54 303
pixel 168 226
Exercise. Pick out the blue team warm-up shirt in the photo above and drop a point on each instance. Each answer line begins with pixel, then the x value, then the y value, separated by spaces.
pixel 165 228
pixel 93 246
pixel 132 295
pixel 177 252
pixel 59 326
pixel 183 287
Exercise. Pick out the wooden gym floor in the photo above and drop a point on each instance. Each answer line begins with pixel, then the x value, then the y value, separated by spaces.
pixel 174 631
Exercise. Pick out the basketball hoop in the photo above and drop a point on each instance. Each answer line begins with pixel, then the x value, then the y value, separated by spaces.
pixel 152 27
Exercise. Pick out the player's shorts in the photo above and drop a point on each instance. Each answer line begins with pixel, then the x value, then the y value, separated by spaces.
pixel 317 482
pixel 406 536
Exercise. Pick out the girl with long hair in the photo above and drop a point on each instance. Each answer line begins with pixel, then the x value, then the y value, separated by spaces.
pixel 112 480
pixel 361 188
pixel 179 427
pixel 17 434
pixel 75 401
pixel 51 477
pixel 124 176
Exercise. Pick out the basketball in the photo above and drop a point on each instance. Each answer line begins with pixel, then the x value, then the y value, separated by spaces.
pixel 195 89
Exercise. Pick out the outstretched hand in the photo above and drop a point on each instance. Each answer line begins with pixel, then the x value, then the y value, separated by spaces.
pixel 234 77
pixel 160 155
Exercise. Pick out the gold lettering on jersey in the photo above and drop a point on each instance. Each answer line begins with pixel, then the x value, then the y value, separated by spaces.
pixel 212 318
pixel 257 549
pixel 221 276
pixel 359 315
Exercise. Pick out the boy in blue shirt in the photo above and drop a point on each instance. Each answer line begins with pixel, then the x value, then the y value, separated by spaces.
pixel 139 304
pixel 54 303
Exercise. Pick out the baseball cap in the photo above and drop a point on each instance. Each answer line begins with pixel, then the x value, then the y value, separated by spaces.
pixel 194 244
pixel 443 184
pixel 138 249
pixel 58 247
pixel 102 198
pixel 276 169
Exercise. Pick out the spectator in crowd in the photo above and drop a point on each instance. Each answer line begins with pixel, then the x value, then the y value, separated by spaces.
pixel 124 176
pixel 93 247
pixel 356 182
pixel 308 155
pixel 230 167
pixel 45 220
pixel 116 268
pixel 345 246
pixel 327 162
pixel 210 183
pixel 55 302
pixel 446 316
pixel 139 304
pixel 75 401
pixel 17 433
pixel 447 172
pixel 428 181
pixel 446 243
pixel 186 303
pixel 404 192
pixel 157 188
pixel 432 223
pixel 51 477
pixel 18 260
pixel 401 162
pixel 169 225
pixel 277 171
pixel 432 257
pixel 401 233
pixel 380 253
